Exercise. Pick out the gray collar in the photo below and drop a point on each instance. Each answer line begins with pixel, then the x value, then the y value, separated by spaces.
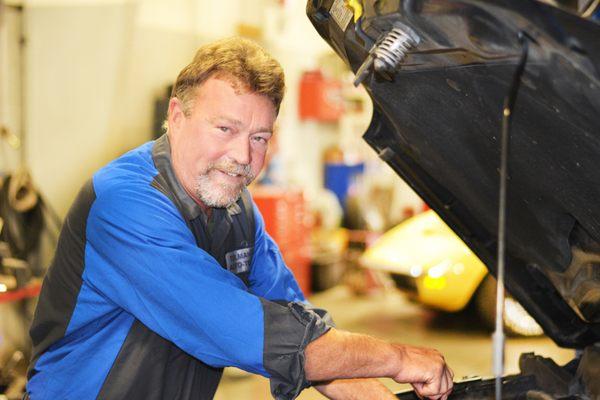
pixel 161 154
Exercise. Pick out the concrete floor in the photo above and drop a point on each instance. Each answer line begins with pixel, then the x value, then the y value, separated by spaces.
pixel 390 316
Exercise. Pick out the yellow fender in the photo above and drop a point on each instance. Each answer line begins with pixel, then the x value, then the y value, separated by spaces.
pixel 446 272
pixel 452 290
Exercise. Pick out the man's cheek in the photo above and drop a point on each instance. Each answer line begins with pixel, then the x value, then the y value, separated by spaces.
pixel 257 166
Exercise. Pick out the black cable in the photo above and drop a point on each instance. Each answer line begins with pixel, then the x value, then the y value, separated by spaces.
pixel 21 230
pixel 507 114
pixel 362 34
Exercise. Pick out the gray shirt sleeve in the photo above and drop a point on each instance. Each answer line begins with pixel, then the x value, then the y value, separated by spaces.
pixel 289 328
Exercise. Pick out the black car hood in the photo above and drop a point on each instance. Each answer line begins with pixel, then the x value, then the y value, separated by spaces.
pixel 437 122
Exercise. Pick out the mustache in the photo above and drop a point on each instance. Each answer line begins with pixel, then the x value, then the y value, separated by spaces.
pixel 231 167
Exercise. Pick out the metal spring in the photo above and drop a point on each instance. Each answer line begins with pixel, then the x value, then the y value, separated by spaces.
pixel 392 50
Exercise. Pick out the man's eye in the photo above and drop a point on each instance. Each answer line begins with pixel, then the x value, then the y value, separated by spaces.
pixel 224 129
pixel 260 139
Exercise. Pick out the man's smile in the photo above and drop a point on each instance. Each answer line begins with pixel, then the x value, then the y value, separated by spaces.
pixel 230 174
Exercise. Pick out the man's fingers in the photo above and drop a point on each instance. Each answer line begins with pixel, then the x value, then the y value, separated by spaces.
pixel 428 392
pixel 428 372
pixel 425 391
pixel 438 389
pixel 449 386
pixel 447 394
pixel 445 381
pixel 449 375
pixel 418 387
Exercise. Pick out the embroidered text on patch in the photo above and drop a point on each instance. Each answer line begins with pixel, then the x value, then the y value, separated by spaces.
pixel 238 261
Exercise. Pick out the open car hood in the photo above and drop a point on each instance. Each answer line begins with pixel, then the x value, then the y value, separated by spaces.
pixel 437 123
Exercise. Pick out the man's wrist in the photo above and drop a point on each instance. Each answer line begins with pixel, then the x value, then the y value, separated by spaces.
pixel 394 362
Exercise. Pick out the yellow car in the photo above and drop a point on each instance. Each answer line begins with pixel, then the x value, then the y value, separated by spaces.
pixel 429 262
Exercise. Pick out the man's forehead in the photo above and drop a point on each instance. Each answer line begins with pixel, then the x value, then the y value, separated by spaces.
pixel 239 86
pixel 216 92
pixel 224 118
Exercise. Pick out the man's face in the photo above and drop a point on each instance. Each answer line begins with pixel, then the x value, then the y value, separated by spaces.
pixel 220 147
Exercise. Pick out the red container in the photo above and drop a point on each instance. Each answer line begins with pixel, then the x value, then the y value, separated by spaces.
pixel 320 98
pixel 285 218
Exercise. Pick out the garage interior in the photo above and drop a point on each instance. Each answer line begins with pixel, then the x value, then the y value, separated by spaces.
pixel 84 81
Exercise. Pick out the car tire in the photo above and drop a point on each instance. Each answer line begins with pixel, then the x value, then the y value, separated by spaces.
pixel 516 323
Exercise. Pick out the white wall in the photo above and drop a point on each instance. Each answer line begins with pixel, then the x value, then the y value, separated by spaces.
pixel 93 72
pixel 94 68
pixel 10 85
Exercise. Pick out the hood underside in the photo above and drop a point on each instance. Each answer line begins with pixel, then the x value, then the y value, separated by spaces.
pixel 437 123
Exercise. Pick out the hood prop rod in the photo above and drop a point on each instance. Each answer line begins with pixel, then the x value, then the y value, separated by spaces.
pixel 507 113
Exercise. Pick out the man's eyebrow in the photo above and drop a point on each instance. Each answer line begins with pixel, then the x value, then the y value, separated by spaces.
pixel 268 130
pixel 223 118
pixel 237 122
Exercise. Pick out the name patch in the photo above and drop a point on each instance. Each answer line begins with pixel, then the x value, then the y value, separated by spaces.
pixel 238 261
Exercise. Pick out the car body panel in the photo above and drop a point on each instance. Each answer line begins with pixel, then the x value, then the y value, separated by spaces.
pixel 446 273
pixel 437 119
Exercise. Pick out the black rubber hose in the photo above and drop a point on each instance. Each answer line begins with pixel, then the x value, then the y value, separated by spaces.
pixel 22 230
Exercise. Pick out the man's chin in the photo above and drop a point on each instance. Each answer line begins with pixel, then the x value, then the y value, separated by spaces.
pixel 215 193
pixel 219 200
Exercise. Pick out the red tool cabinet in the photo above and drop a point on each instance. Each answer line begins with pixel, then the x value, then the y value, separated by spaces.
pixel 285 216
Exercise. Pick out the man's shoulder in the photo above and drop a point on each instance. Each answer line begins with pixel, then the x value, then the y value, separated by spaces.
pixel 132 200
pixel 126 185
pixel 133 170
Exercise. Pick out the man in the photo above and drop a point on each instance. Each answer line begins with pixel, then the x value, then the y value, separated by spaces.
pixel 164 273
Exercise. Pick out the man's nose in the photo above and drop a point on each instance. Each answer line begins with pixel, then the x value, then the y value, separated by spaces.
pixel 240 150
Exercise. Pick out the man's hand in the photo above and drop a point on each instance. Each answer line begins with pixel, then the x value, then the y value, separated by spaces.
pixel 426 370
pixel 354 389
pixel 343 355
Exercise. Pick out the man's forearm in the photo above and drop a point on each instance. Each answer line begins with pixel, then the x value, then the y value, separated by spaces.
pixel 340 355
pixel 354 389
pixel 344 355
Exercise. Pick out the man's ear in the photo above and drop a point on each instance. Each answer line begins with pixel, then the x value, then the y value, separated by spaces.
pixel 175 115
